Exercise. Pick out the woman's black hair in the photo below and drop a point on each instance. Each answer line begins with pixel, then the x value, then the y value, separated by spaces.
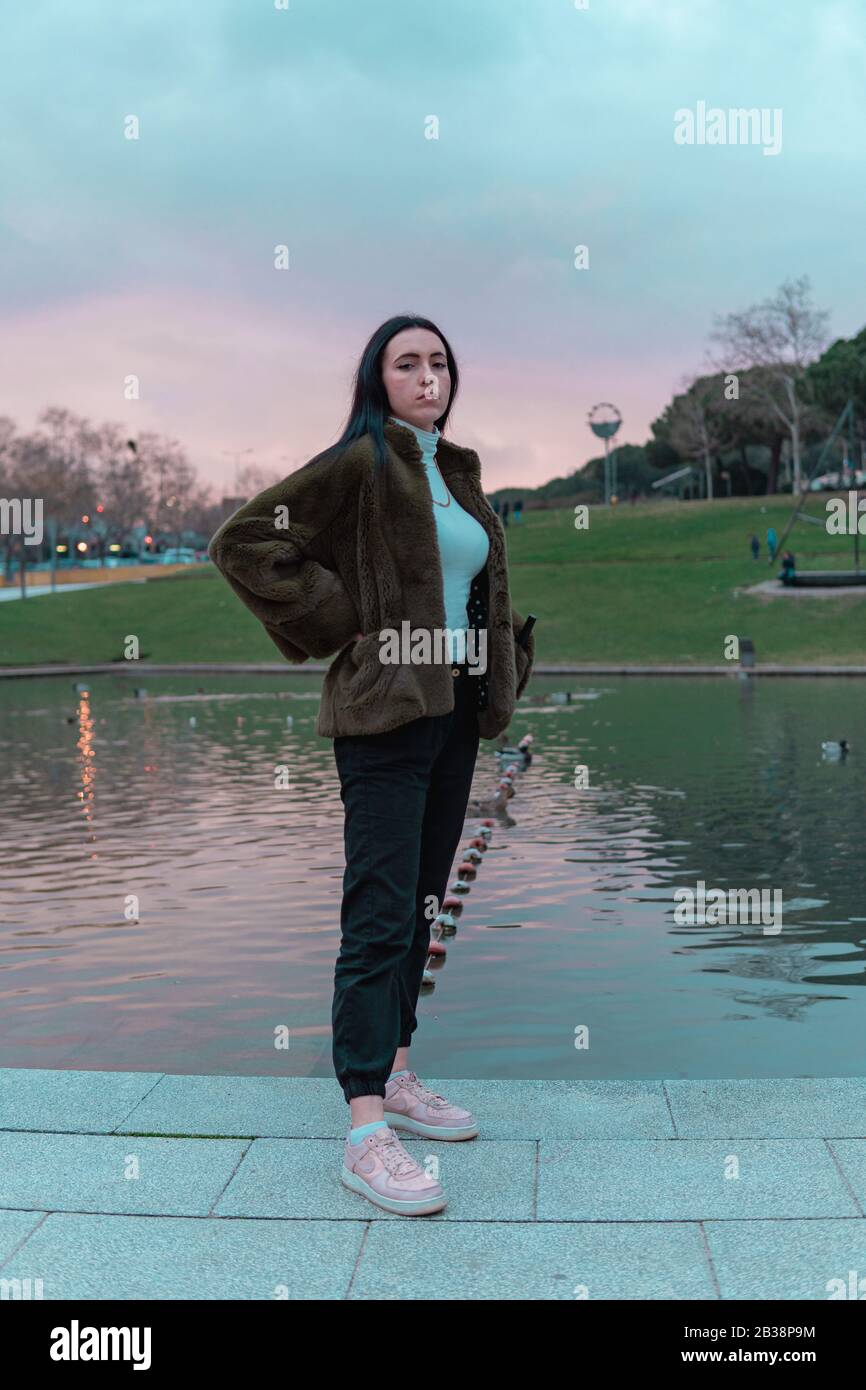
pixel 370 407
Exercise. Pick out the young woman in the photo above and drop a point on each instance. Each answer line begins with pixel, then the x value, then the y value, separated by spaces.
pixel 384 550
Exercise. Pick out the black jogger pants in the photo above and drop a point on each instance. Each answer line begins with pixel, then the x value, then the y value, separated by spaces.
pixel 405 794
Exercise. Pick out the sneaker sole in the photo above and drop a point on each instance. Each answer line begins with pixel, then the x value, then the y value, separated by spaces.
pixel 395 1121
pixel 418 1207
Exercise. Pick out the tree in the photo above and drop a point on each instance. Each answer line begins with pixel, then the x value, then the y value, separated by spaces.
pixel 171 480
pixel 125 489
pixel 691 426
pixel 660 453
pixel 253 479
pixel 7 484
pixel 56 461
pixel 745 420
pixel 780 336
pixel 839 376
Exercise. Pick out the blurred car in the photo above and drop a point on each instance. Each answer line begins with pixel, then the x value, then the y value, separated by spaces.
pixel 181 555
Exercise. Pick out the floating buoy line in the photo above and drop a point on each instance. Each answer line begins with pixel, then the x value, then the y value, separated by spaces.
pixel 512 761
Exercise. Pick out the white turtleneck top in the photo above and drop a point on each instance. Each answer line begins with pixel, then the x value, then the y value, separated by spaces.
pixel 463 542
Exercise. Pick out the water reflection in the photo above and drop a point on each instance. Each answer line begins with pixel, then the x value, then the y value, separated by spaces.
pixel 238 883
pixel 87 767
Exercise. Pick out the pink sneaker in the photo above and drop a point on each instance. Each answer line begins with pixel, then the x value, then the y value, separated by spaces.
pixel 410 1105
pixel 380 1169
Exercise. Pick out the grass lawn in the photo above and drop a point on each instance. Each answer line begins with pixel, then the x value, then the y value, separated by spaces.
pixel 644 584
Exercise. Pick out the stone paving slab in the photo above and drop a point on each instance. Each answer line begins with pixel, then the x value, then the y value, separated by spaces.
pixel 81 1102
pixel 306 1108
pixel 98 1257
pixel 93 1172
pixel 642 1180
pixel 130 1257
pixel 14 1227
pixel 486 1260
pixel 850 1155
pixel 574 1190
pixel 787 1259
pixel 769 1108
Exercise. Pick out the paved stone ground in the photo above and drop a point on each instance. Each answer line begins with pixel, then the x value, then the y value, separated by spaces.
pixel 144 1185
pixel 771 588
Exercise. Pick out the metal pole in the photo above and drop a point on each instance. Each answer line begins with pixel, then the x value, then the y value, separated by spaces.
pixel 606 472
pixel 856 494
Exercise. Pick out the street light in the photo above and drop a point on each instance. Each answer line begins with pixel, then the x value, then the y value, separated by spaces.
pixel 604 421
pixel 237 454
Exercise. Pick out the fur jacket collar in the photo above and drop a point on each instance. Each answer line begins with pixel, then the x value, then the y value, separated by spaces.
pixel 333 550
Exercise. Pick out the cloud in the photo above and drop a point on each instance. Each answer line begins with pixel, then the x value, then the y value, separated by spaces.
pixel 306 127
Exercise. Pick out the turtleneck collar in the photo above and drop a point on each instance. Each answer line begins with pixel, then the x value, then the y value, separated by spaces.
pixel 427 439
pixel 450 458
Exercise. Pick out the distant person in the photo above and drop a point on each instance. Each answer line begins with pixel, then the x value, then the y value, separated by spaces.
pixel 788 567
pixel 504 513
pixel 518 508
pixel 772 542
pixel 633 495
pixel 756 547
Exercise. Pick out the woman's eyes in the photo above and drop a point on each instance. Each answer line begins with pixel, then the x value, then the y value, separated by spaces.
pixel 440 366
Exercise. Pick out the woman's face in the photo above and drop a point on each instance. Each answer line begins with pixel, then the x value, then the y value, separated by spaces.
pixel 416 376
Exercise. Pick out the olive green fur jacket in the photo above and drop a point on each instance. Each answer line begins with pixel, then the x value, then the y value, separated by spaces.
pixel 333 550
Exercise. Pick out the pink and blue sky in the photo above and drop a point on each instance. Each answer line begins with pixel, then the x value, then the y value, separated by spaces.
pixel 305 126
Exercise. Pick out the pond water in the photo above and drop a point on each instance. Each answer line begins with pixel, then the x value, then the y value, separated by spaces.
pixel 569 926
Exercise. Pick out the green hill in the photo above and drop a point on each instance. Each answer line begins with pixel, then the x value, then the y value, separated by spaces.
pixel 645 584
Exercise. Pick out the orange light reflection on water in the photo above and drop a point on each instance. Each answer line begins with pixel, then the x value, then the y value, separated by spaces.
pixel 86 757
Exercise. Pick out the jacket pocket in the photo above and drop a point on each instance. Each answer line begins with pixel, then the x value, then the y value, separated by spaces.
pixel 363 668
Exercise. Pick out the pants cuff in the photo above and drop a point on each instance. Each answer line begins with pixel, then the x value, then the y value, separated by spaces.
pixel 362 1086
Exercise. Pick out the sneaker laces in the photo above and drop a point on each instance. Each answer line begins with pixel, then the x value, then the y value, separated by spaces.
pixel 393 1155
pixel 423 1093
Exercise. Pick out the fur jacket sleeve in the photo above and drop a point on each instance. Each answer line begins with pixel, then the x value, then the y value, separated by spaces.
pixel 275 553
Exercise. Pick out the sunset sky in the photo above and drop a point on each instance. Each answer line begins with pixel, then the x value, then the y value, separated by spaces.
pixel 306 126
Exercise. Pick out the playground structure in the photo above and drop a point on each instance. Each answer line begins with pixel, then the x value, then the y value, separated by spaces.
pixel 825 579
pixel 688 477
